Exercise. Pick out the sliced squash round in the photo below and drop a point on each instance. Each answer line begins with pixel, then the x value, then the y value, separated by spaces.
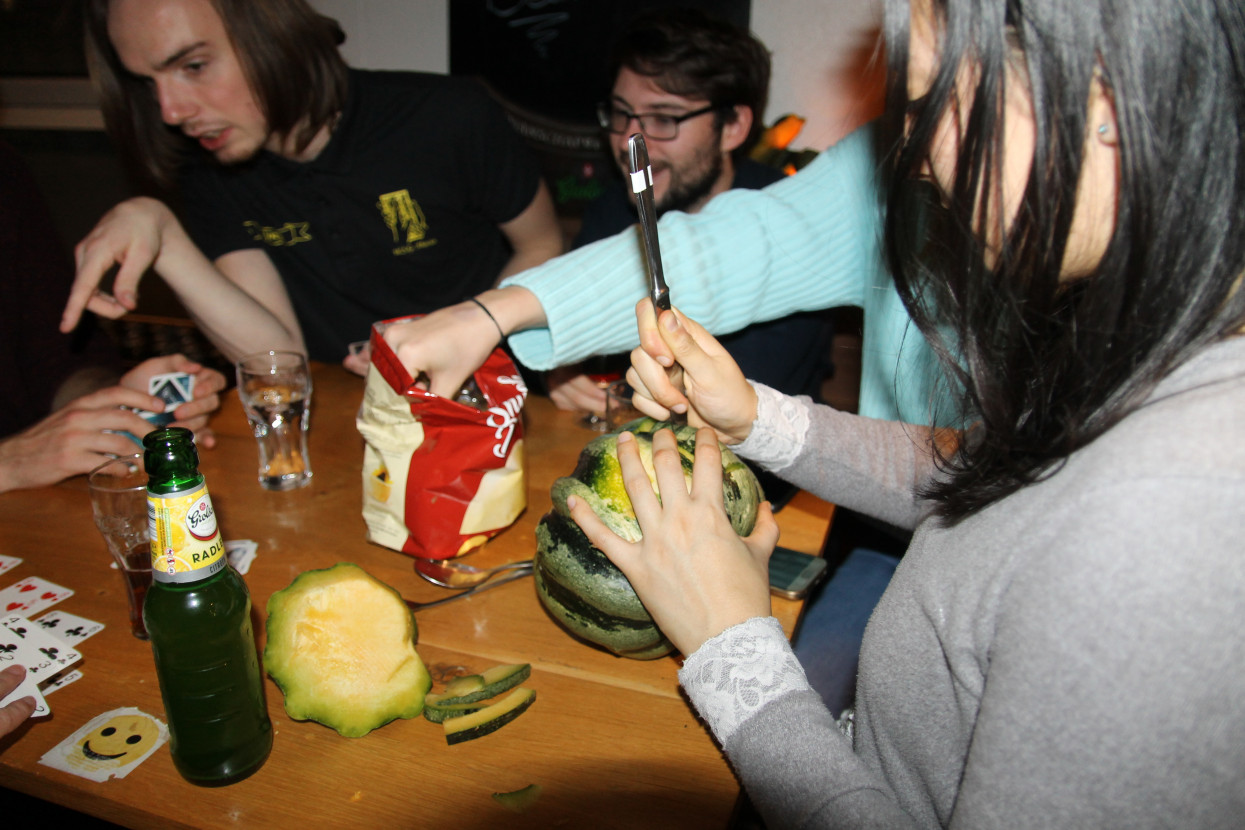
pixel 341 647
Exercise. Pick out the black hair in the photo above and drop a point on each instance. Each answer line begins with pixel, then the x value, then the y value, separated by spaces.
pixel 287 50
pixel 1047 363
pixel 689 53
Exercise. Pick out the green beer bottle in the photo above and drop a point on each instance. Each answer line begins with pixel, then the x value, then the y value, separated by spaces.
pixel 198 614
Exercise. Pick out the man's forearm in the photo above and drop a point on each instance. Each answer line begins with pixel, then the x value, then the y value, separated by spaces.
pixel 534 235
pixel 239 302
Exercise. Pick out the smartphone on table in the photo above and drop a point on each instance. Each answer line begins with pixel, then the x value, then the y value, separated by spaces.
pixel 793 574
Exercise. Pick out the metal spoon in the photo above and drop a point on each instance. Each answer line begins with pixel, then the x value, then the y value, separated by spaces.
pixel 518 574
pixel 450 574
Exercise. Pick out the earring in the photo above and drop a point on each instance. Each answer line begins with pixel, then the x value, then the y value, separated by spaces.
pixel 1102 129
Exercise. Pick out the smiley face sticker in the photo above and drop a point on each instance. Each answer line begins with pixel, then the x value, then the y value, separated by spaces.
pixel 109 745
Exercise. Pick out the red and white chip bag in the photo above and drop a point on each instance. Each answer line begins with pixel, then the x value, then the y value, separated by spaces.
pixel 440 476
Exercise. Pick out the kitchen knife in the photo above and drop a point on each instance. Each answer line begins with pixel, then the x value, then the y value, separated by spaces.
pixel 642 186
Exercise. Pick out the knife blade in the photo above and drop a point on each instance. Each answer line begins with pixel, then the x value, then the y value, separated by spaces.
pixel 642 186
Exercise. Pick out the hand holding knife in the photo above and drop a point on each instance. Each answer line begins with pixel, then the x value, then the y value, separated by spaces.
pixel 642 186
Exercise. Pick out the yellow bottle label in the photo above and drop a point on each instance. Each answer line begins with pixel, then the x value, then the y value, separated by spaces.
pixel 185 541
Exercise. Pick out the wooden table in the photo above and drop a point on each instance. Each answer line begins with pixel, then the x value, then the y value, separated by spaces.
pixel 610 740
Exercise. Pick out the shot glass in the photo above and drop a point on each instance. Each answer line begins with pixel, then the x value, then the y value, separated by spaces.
pixel 275 388
pixel 619 410
pixel 119 501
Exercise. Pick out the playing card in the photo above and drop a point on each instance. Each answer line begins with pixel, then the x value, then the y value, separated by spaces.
pixel 29 687
pixel 241 553
pixel 59 681
pixel 8 563
pixel 31 595
pixel 42 654
pixel 174 388
pixel 69 627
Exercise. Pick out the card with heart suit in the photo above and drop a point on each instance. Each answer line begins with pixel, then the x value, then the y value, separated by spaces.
pixel 8 563
pixel 69 627
pixel 42 654
pixel 31 595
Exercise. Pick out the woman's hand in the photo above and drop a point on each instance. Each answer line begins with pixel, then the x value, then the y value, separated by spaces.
pixel 692 572
pixel 447 345
pixel 681 368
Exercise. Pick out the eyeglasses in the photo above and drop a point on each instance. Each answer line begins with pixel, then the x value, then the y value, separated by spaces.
pixel 655 125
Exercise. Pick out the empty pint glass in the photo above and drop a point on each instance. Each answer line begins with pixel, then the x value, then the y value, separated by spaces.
pixel 275 388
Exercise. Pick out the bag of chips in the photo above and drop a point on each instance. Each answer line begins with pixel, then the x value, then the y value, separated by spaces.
pixel 440 477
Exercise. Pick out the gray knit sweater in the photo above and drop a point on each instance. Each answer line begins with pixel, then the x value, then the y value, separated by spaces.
pixel 1072 656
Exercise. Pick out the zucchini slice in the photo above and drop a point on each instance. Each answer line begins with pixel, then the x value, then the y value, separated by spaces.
pixel 489 719
pixel 476 687
pixel 519 800
pixel 437 714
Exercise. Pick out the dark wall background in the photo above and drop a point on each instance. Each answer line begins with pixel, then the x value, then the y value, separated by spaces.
pixel 81 179
pixel 550 56
pixel 546 61
pixel 41 37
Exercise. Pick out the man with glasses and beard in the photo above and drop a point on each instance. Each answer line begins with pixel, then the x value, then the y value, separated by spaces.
pixel 695 87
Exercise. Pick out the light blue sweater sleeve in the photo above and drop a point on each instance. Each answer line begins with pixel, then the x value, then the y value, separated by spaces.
pixel 748 255
pixel 810 241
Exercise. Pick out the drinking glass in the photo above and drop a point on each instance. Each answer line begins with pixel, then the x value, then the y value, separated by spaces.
pixel 275 388
pixel 601 370
pixel 619 410
pixel 119 502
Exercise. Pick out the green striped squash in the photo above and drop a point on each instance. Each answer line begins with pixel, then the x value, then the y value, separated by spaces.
pixel 577 584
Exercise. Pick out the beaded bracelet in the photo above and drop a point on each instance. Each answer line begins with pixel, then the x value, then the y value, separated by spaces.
pixel 490 316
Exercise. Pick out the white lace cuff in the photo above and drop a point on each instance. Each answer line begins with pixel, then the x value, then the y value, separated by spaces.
pixel 735 674
pixel 778 432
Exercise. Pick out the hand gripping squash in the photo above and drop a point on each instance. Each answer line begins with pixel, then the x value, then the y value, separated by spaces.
pixel 577 583
pixel 341 646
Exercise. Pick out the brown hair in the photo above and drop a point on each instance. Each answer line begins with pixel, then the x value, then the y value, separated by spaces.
pixel 287 50
pixel 689 53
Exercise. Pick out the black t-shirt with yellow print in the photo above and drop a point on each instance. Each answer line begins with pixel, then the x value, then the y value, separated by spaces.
pixel 398 214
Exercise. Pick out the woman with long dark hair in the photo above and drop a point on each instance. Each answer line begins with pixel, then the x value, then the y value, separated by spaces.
pixel 1061 644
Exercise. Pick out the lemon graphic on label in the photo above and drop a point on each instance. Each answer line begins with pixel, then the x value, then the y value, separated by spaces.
pixel 177 537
